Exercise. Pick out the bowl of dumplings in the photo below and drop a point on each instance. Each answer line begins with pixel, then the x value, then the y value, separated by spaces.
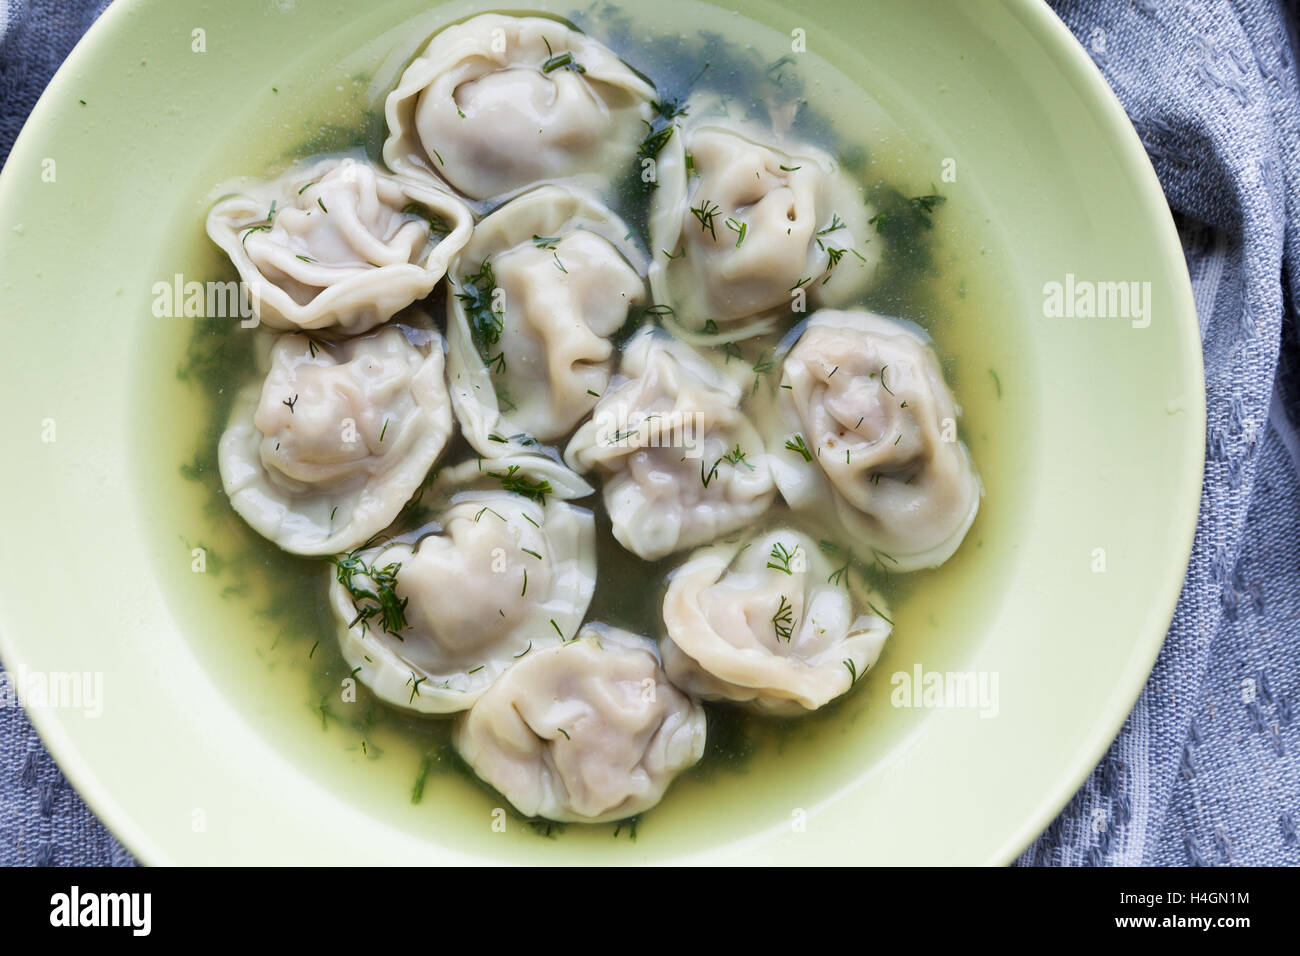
pixel 591 435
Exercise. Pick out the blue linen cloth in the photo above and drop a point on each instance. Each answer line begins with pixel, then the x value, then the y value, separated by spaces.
pixel 1205 769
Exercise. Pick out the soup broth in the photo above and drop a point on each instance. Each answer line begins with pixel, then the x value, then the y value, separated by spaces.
pixel 259 618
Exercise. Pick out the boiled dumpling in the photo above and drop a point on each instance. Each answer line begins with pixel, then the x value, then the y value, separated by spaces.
pixel 771 624
pixel 498 103
pixel 865 408
pixel 587 732
pixel 748 226
pixel 543 284
pixel 338 244
pixel 681 463
pixel 324 451
pixel 432 619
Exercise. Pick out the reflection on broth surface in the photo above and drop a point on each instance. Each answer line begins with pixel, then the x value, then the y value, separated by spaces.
pixel 882 230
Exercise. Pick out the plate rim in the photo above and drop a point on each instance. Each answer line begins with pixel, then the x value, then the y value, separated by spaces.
pixel 1086 79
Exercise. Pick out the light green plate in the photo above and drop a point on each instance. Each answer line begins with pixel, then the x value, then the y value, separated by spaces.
pixel 1091 451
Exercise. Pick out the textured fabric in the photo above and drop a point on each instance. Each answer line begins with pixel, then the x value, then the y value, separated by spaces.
pixel 43 821
pixel 1204 770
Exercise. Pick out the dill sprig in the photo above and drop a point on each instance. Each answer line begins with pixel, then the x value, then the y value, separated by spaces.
pixel 779 558
pixel 836 224
pixel 437 225
pixel 380 600
pixel 485 323
pixel 739 228
pixel 783 620
pixel 560 61
pixel 705 213
pixel 519 484
pixel 796 444
pixel 737 457
pixel 654 142
pixel 925 205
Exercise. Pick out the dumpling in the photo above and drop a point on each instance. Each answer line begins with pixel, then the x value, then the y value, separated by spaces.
pixel 430 620
pixel 498 103
pixel 325 451
pixel 770 624
pixel 587 732
pixel 747 227
pixel 865 408
pixel 542 285
pixel 338 244
pixel 681 463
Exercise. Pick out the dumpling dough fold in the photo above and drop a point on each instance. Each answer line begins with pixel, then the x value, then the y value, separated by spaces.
pixel 590 731
pixel 770 624
pixel 749 226
pixel 496 577
pixel 866 396
pixel 338 244
pixel 327 448
pixel 681 464
pixel 535 296
pixel 499 103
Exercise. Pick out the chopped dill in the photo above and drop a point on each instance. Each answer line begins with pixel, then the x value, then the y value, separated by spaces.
pixel 415 688
pixel 519 484
pixel 779 558
pixel 739 228
pixel 437 225
pixel 836 224
pixel 654 143
pixel 705 213
pixel 881 614
pixel 736 457
pixel 485 323
pixel 560 61
pixel 796 444
pixel 380 600
pixel 783 620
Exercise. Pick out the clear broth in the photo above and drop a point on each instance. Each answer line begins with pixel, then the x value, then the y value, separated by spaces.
pixel 258 617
